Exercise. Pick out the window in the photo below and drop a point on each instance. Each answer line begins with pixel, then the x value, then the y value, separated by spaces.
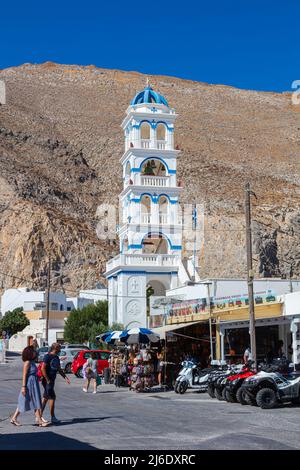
pixel 145 131
pixel 161 132
pixel 104 356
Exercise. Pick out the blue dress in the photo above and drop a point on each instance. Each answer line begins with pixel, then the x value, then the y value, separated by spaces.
pixel 32 399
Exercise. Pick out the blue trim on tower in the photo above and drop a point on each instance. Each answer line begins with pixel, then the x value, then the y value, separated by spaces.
pixel 152 124
pixel 154 199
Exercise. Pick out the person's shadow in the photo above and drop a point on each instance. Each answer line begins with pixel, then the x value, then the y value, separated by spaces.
pixel 68 422
pixel 46 440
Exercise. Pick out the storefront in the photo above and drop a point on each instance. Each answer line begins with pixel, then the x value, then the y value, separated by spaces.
pixel 186 341
pixel 269 331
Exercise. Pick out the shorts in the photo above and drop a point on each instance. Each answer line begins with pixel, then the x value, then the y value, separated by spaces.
pixel 49 393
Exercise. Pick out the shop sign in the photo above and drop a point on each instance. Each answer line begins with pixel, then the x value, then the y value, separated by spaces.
pixel 191 307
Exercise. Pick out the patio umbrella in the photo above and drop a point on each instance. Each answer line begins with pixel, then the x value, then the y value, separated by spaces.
pixel 139 336
pixel 110 337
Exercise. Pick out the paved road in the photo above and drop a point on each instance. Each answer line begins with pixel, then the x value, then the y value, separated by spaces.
pixel 120 419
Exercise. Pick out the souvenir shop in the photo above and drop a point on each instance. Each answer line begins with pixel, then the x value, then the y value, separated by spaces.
pixel 134 366
pixel 187 341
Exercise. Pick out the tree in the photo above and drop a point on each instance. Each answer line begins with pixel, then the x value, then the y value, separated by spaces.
pixel 86 323
pixel 14 321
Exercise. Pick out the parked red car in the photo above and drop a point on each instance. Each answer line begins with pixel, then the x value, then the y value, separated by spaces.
pixel 82 356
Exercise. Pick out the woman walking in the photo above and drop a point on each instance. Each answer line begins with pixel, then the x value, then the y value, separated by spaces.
pixel 91 372
pixel 30 395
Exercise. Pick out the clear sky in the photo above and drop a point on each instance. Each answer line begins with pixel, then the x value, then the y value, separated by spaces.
pixel 251 44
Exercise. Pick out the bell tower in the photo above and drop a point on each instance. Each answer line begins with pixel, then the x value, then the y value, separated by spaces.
pixel 150 231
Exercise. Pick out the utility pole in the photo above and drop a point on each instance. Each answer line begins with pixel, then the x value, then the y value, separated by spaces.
pixel 48 298
pixel 209 321
pixel 250 274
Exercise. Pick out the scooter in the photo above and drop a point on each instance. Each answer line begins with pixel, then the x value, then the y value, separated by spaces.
pixel 191 376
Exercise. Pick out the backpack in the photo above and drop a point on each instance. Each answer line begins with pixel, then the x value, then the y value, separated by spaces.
pixel 39 371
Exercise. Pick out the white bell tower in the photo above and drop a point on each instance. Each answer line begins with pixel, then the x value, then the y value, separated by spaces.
pixel 150 231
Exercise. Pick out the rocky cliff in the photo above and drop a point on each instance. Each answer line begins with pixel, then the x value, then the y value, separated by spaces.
pixel 60 144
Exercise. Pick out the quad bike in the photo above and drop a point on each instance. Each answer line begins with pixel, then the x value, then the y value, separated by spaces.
pixel 233 385
pixel 219 369
pixel 271 389
pixel 221 381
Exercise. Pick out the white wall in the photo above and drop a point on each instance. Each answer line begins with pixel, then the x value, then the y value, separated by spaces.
pixel 27 299
pixel 94 294
pixel 231 287
pixel 78 302
pixel 292 304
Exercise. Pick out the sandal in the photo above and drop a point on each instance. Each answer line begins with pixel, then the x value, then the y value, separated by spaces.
pixel 15 422
pixel 43 424
pixel 42 419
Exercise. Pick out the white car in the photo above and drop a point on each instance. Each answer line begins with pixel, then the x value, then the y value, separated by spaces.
pixel 66 357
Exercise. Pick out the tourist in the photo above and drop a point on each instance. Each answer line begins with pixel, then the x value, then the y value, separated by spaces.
pixel 161 365
pixel 247 355
pixel 50 367
pixel 30 395
pixel 90 370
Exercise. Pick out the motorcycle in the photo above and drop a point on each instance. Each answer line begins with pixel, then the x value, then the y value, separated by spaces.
pixel 192 376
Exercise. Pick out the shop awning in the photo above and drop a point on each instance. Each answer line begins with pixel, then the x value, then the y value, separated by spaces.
pixel 163 330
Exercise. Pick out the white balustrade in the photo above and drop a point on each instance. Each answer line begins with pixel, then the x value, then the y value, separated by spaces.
pixel 143 259
pixel 163 218
pixel 145 143
pixel 151 143
pixel 146 218
pixel 156 181
pixel 161 144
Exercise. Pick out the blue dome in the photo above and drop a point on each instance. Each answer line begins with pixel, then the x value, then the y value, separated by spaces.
pixel 148 95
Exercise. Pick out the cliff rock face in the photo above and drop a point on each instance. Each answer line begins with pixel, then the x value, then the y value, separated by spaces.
pixel 60 144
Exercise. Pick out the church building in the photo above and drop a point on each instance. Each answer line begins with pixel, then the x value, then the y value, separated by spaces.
pixel 150 230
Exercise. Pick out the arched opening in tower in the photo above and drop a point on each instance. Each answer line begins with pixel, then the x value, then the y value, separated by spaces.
pixel 155 243
pixel 154 167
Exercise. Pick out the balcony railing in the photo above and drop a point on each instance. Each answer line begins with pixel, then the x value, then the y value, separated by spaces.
pixel 148 143
pixel 145 143
pixel 163 218
pixel 161 144
pixel 146 218
pixel 144 260
pixel 162 181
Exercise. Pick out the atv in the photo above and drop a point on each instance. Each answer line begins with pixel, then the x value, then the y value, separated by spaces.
pixel 233 385
pixel 271 389
pixel 221 380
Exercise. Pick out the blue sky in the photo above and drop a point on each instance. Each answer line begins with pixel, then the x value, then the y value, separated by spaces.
pixel 245 43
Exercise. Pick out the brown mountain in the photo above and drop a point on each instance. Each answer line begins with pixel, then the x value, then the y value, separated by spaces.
pixel 60 144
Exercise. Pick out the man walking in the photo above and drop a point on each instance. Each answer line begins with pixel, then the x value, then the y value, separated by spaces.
pixel 50 367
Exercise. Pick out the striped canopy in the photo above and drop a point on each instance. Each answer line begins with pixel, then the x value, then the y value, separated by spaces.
pixel 110 337
pixel 139 336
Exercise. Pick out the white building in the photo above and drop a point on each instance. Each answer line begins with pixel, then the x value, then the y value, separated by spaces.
pixel 292 311
pixel 151 227
pixel 34 306
pixel 96 295
pixel 31 300
pixel 224 288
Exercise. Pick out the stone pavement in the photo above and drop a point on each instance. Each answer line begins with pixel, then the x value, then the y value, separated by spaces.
pixel 120 419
